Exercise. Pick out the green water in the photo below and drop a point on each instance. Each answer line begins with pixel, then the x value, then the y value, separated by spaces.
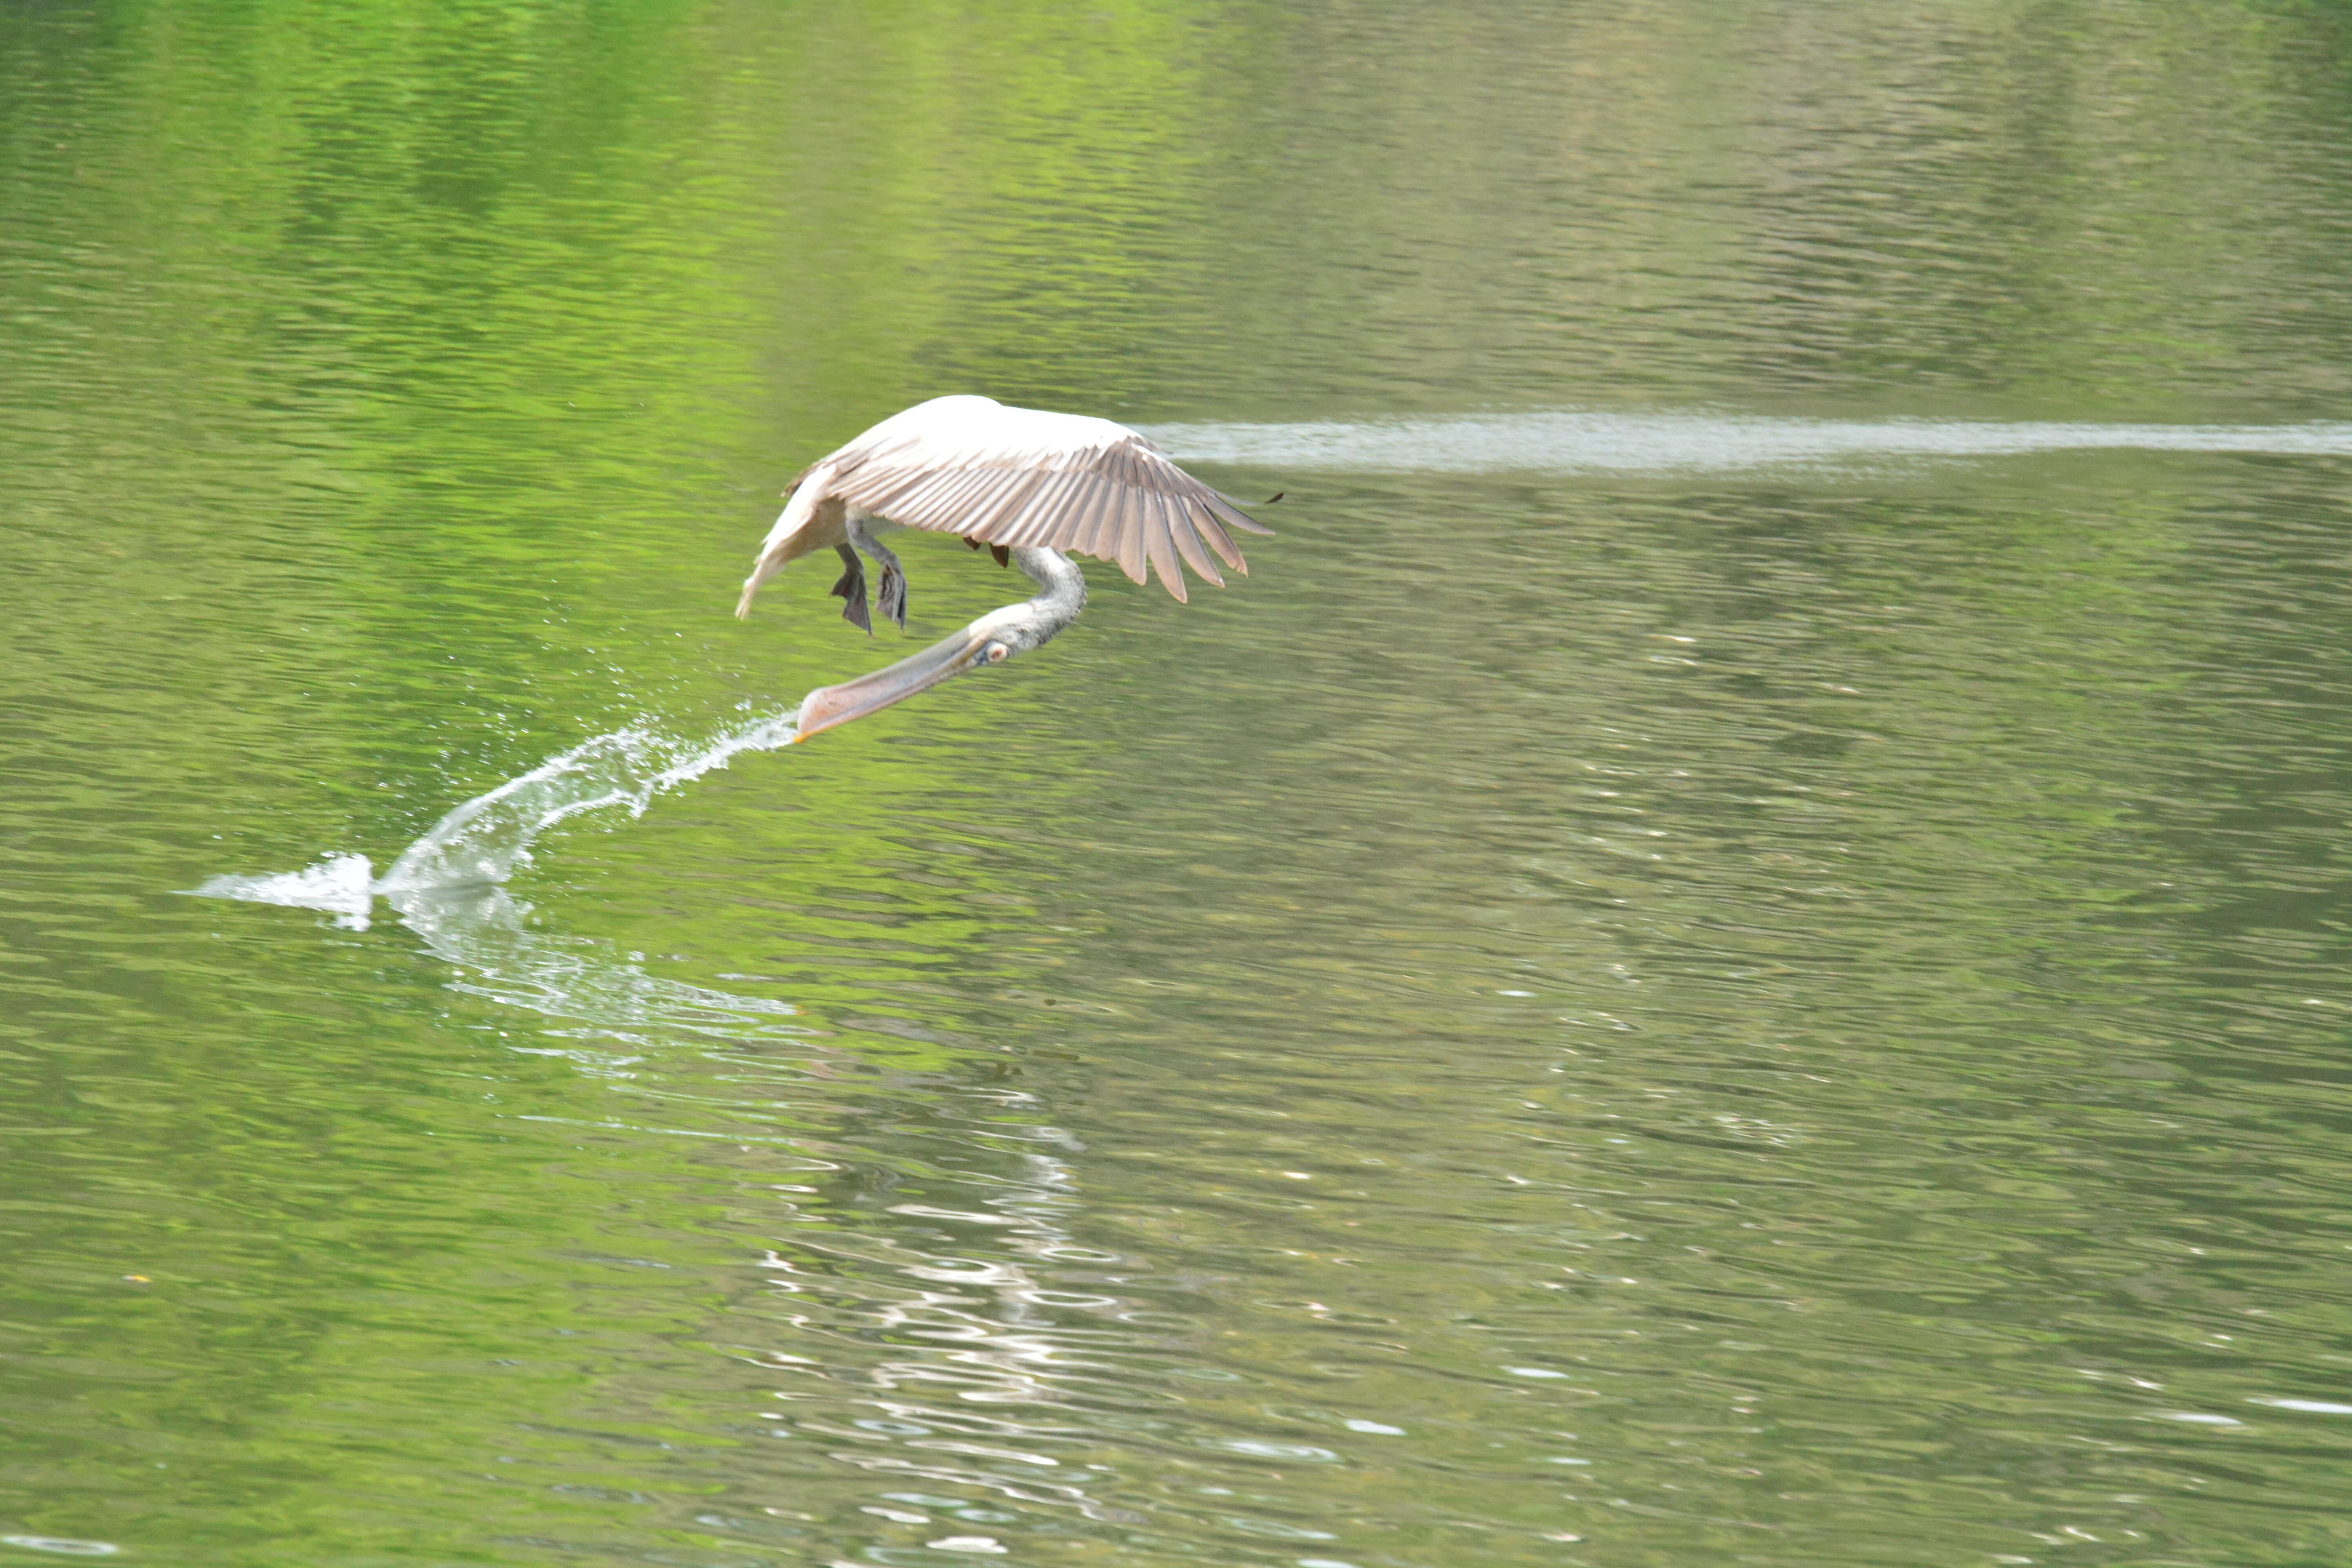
pixel 1640 1012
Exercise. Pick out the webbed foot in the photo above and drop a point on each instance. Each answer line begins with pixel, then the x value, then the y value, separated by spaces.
pixel 852 588
pixel 894 595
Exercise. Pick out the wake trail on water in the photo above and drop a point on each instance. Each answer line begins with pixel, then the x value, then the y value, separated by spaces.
pixel 449 888
pixel 1571 441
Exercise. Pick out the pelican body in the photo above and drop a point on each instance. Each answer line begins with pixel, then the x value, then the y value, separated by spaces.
pixel 1030 485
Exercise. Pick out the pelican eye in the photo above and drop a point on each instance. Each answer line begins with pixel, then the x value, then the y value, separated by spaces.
pixel 996 653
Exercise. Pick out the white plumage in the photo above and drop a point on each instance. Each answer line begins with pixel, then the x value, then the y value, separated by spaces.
pixel 1010 477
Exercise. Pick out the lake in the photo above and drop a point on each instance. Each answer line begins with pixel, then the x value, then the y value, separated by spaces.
pixel 1733 949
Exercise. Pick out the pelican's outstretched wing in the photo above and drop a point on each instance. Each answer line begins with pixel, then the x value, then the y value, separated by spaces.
pixel 971 466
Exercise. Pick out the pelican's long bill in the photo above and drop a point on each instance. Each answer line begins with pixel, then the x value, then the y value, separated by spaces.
pixel 830 705
pixel 992 639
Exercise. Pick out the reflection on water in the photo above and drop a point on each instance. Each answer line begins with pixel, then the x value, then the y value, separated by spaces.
pixel 1008 1345
pixel 1648 991
pixel 989 1331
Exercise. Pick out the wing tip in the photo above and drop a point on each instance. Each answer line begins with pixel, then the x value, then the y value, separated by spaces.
pixel 1226 509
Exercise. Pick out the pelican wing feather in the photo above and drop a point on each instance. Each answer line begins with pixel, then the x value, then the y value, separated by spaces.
pixel 995 474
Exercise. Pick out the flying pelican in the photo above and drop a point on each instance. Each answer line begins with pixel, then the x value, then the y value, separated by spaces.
pixel 1028 484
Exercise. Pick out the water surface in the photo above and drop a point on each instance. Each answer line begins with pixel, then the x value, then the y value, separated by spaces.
pixel 1733 949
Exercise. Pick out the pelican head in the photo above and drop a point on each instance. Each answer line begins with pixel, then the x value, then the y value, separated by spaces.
pixel 990 640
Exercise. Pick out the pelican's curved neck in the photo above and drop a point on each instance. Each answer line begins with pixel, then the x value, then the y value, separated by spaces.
pixel 1064 591
pixel 992 639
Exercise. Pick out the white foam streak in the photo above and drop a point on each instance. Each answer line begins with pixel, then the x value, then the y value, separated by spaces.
pixel 1570 442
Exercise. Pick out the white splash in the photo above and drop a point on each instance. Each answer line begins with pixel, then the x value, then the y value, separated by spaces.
pixel 1572 442
pixel 448 888
pixel 344 884
pixel 479 844
pixel 485 839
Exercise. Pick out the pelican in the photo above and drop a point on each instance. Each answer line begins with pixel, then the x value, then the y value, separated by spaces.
pixel 1028 484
